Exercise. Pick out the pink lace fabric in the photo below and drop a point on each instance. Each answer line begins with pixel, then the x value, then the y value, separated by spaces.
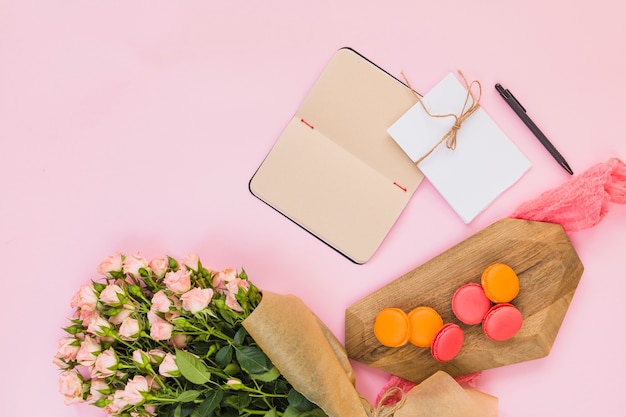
pixel 580 203
pixel 583 201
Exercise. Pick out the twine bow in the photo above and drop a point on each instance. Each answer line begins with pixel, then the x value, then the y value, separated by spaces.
pixel 450 136
pixel 383 410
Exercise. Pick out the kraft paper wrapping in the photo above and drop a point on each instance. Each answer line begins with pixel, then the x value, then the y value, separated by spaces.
pixel 316 364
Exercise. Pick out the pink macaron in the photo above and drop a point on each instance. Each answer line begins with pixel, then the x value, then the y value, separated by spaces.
pixel 470 303
pixel 502 322
pixel 447 342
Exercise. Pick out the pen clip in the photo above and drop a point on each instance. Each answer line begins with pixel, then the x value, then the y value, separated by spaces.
pixel 516 100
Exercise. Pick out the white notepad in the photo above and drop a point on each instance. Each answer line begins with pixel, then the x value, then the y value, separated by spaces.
pixel 485 162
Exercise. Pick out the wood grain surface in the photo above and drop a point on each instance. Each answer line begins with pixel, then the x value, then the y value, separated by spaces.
pixel 549 271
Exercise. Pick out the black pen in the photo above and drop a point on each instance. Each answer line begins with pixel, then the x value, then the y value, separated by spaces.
pixel 521 112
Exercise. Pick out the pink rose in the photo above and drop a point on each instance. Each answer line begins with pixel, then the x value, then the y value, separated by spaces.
pixel 106 363
pixel 133 263
pixel 159 328
pixel 179 340
pixel 196 299
pixel 134 389
pixel 191 261
pixel 232 303
pixel 227 274
pixel 140 358
pixel 99 389
pixel 159 265
pixel 67 348
pixel 234 383
pixel 148 411
pixel 127 310
pixel 160 302
pixel 117 404
pixel 175 312
pixel 156 356
pixel 89 349
pixel 99 326
pixel 152 316
pixel 171 315
pixel 87 316
pixel 222 277
pixel 129 329
pixel 168 366
pixel 153 382
pixel 111 294
pixel 178 282
pixel 85 298
pixel 60 363
pixel 71 386
pixel 110 264
pixel 234 285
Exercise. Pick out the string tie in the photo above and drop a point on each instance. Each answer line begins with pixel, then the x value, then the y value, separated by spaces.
pixel 384 410
pixel 450 136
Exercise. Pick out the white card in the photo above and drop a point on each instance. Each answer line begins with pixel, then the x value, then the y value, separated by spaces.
pixel 485 162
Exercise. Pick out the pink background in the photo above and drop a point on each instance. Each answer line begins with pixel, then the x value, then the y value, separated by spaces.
pixel 135 126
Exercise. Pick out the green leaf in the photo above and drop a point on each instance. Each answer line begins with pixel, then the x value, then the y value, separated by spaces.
pixel 268 376
pixel 239 401
pixel 316 412
pixel 207 406
pixel 240 336
pixel 299 401
pixel 253 360
pixel 228 315
pixel 192 368
pixel 112 311
pixel 117 274
pixel 271 413
pixel 229 413
pixel 101 402
pixel 291 411
pixel 224 356
pixel 181 410
pixel 74 329
pixel 187 396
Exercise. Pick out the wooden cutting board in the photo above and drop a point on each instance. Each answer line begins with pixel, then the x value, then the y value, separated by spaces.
pixel 548 269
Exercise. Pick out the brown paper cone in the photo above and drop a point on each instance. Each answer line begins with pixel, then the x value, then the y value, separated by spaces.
pixel 316 364
pixel 306 353
pixel 441 396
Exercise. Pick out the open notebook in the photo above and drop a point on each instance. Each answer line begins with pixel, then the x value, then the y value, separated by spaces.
pixel 334 170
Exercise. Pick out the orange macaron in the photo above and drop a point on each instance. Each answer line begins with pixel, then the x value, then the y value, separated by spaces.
pixel 391 327
pixel 424 323
pixel 500 283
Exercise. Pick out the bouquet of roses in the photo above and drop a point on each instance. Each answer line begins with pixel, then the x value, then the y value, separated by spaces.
pixel 165 338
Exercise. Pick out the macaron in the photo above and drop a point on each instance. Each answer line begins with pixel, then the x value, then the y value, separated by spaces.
pixel 500 283
pixel 391 327
pixel 470 304
pixel 424 323
pixel 502 322
pixel 447 342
